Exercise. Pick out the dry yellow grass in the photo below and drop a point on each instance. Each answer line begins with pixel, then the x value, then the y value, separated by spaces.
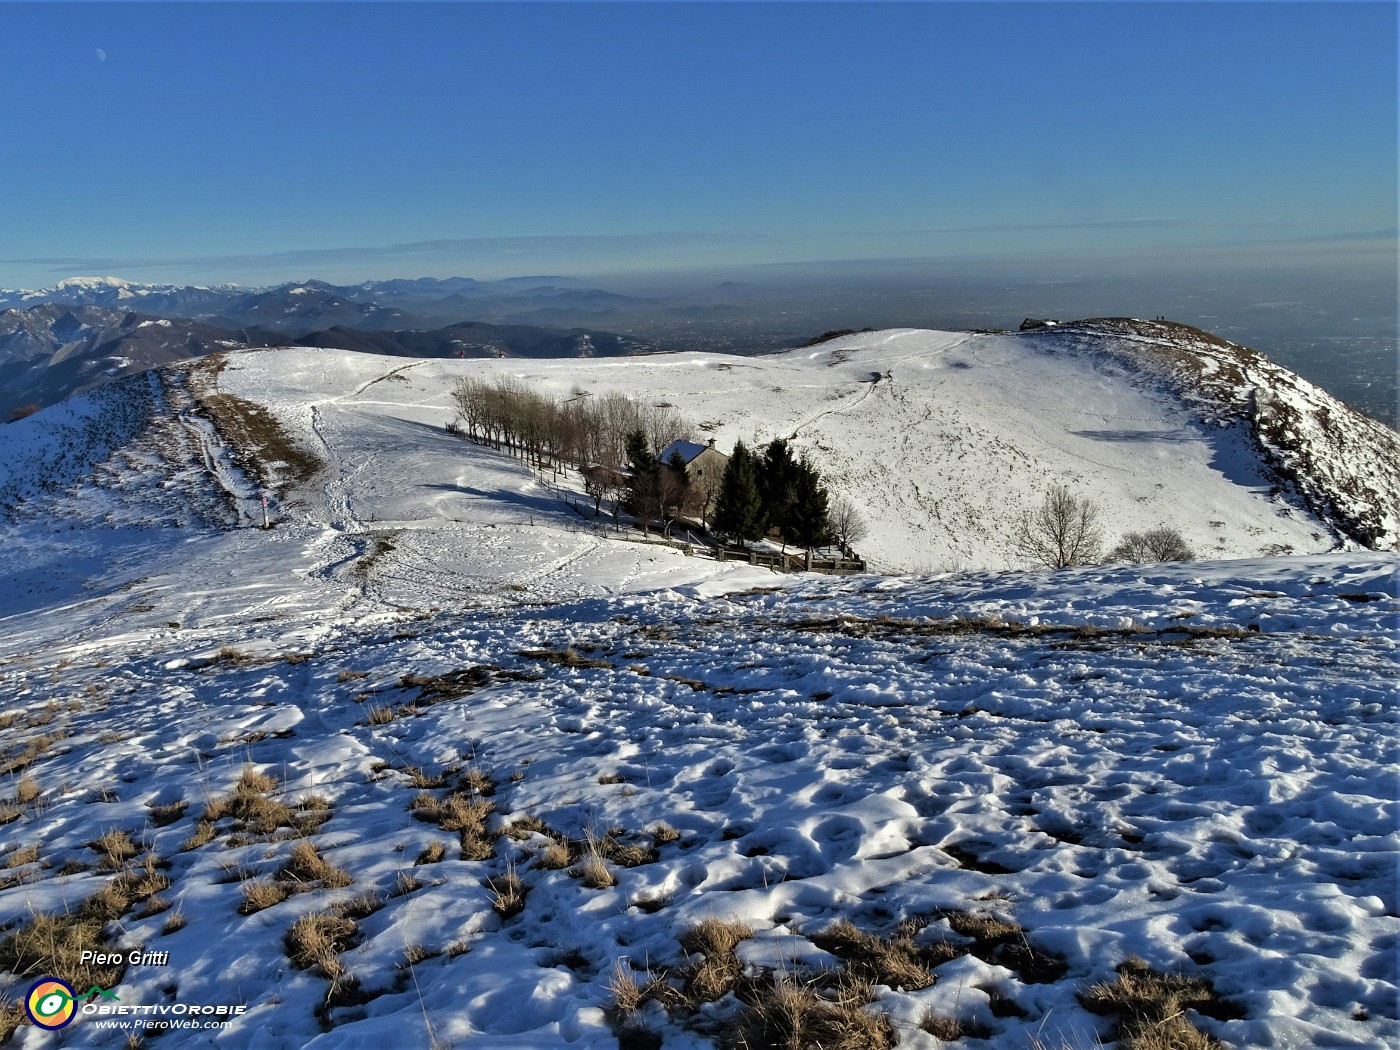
pixel 307 866
pixel 54 942
pixel 431 853
pixel 314 942
pixel 169 813
pixel 115 847
pixel 507 894
pixel 790 1016
pixel 895 962
pixel 260 894
pixel 719 969
pixel 21 856
pixel 1149 1008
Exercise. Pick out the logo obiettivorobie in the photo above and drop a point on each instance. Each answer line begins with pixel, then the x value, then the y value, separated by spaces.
pixel 51 1003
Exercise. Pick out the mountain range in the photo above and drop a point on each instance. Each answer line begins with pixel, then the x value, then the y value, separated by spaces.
pixel 85 332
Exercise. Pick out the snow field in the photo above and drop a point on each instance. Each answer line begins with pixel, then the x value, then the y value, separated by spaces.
pixel 1217 803
pixel 1193 764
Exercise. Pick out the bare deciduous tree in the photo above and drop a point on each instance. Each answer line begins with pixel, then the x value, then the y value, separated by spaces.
pixel 846 523
pixel 1160 544
pixel 1063 531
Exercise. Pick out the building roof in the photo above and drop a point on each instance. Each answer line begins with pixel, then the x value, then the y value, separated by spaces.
pixel 688 450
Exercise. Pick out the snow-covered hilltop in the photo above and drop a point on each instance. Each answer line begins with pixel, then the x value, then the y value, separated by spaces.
pixel 440 760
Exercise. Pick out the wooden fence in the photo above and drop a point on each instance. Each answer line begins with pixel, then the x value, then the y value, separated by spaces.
pixel 803 562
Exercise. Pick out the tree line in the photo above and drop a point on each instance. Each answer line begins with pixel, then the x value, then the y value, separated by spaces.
pixel 584 429
pixel 614 440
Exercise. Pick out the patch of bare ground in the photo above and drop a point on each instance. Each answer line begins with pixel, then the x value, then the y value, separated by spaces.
pixel 881 627
pixel 251 431
pixel 566 657
pixel 1004 944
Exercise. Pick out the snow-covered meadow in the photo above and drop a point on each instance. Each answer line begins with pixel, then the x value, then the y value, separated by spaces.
pixel 457 690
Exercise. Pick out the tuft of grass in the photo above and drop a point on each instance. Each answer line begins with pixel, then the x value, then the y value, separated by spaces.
pixel 378 714
pixel 466 816
pixel 307 866
pixel 21 856
pixel 950 1029
pixel 663 833
pixel 431 854
pixel 624 989
pixel 26 790
pixel 507 894
pixel 154 906
pixel 1149 1008
pixel 116 849
pixel 361 907
pixel 787 1014
pixel 260 894
pixel 895 962
pixel 250 807
pixel 523 827
pixel 592 868
pixel 169 813
pixel 556 855
pixel 719 969
pixel 478 782
pixel 981 927
pixel 175 921
pixel 203 833
pixel 612 778
pixel 314 942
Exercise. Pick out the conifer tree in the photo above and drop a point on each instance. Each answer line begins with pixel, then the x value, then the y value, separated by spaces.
pixel 775 473
pixel 806 521
pixel 739 509
pixel 644 488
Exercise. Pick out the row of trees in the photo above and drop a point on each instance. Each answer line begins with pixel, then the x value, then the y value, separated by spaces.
pixel 613 440
pixel 1065 530
pixel 581 431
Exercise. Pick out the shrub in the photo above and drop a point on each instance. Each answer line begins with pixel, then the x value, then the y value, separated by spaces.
pixel 1159 544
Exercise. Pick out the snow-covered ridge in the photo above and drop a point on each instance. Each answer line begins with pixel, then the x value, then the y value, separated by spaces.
pixel 1343 463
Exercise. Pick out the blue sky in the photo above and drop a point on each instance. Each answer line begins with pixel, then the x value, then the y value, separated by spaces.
pixel 257 142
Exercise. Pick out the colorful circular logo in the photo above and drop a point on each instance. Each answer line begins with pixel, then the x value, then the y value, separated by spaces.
pixel 51 1003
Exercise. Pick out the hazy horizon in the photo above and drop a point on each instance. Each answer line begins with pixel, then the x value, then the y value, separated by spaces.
pixel 239 142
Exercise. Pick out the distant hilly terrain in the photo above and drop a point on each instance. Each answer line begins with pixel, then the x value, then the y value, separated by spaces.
pixel 87 335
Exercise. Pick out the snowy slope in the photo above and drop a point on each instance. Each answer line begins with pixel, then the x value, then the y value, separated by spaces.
pixel 1192 764
pixel 969 430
